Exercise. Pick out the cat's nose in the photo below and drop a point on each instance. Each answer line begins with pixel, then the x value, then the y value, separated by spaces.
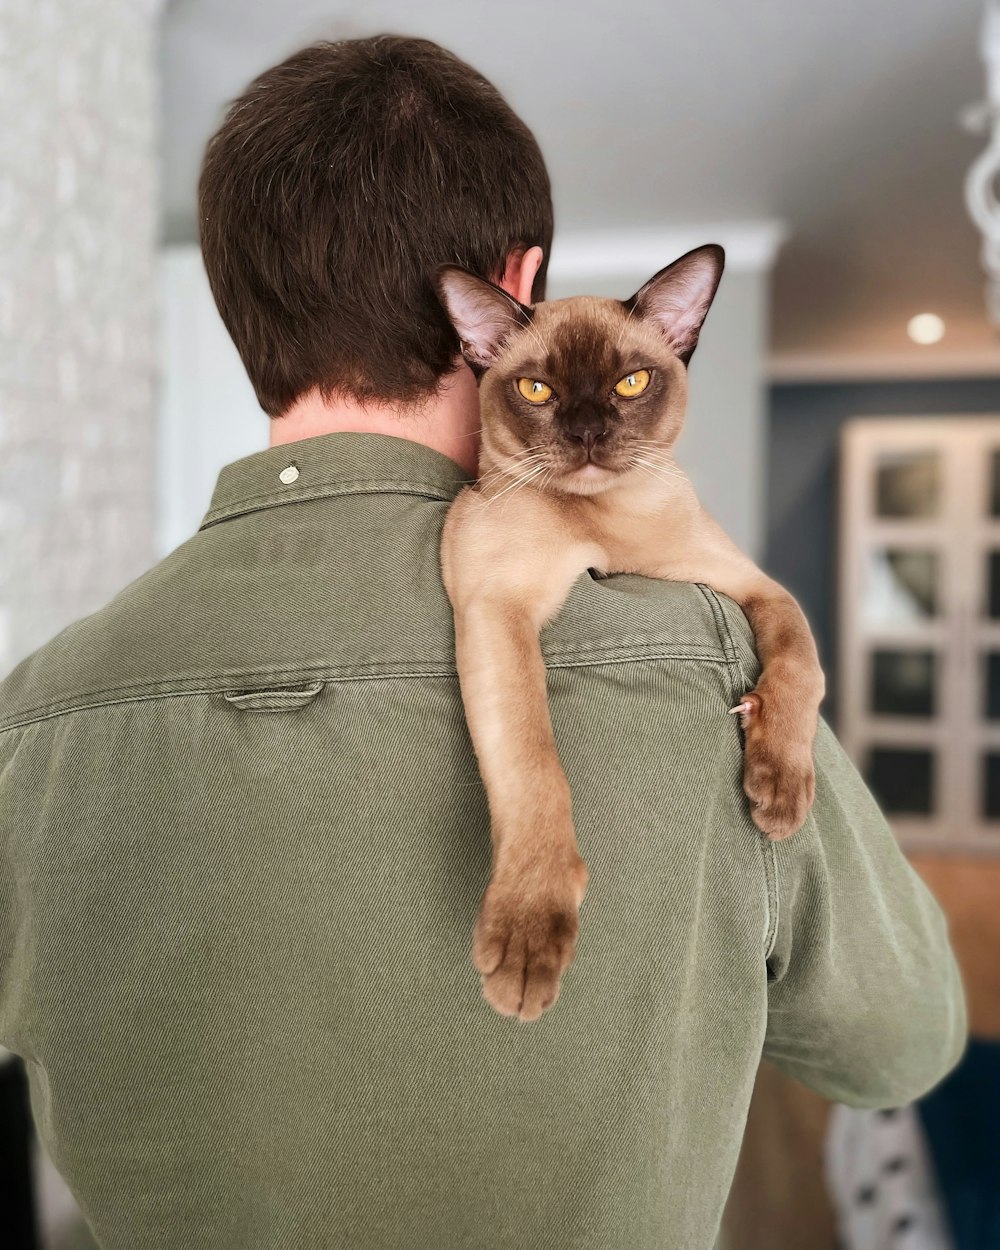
pixel 587 431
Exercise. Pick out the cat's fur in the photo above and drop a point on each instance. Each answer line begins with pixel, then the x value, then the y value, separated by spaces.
pixel 540 516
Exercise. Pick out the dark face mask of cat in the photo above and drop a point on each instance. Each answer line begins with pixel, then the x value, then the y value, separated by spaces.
pixel 576 393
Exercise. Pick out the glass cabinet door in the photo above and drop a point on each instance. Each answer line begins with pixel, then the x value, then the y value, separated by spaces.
pixel 919 670
pixel 980 630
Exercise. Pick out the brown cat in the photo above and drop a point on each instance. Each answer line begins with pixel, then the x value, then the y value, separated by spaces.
pixel 582 401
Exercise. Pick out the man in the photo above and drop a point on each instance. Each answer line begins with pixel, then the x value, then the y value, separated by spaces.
pixel 244 839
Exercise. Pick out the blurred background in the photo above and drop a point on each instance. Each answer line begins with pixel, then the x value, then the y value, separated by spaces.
pixel 844 423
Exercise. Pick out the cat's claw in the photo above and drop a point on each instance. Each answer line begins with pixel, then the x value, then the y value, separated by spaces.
pixel 746 709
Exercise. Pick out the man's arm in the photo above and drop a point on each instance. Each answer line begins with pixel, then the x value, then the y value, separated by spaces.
pixel 8 919
pixel 865 1003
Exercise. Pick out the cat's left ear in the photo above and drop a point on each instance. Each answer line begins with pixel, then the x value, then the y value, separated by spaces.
pixel 677 299
pixel 484 316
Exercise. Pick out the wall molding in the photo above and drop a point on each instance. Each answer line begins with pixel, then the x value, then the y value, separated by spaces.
pixel 579 255
pixel 918 364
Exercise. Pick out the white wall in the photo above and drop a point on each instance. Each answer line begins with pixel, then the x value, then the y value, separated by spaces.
pixel 723 444
pixel 77 250
pixel 209 414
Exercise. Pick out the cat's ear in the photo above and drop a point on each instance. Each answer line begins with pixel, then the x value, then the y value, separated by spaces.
pixel 483 315
pixel 677 299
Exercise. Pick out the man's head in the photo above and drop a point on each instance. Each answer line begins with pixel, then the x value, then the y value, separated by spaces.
pixel 337 185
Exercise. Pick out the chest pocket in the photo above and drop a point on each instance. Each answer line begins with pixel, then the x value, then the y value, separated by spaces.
pixel 275 699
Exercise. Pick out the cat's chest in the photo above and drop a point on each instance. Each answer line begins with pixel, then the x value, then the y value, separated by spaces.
pixel 634 534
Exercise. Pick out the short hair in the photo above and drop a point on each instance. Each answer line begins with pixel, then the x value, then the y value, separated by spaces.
pixel 335 187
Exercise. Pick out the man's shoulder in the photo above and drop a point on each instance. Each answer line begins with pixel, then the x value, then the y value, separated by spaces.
pixel 635 618
pixel 217 614
pixel 111 655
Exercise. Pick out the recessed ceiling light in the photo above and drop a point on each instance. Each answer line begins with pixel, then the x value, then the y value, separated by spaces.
pixel 925 329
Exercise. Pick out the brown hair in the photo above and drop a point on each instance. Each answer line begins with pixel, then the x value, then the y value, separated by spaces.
pixel 337 184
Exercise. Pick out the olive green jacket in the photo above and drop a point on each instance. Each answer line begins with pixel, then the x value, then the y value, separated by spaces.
pixel 243 842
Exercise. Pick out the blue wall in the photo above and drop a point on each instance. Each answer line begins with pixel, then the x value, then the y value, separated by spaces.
pixel 802 469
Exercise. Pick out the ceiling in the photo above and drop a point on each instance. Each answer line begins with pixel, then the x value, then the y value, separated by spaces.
pixel 838 117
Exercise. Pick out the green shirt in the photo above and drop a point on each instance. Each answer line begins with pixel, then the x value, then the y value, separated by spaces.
pixel 243 843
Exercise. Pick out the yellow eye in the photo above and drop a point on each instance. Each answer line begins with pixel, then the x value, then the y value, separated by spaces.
pixel 633 384
pixel 534 392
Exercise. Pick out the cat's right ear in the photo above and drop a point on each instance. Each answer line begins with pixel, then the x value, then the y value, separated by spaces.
pixel 483 315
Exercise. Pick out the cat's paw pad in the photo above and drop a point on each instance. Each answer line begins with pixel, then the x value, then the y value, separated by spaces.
pixel 780 785
pixel 525 942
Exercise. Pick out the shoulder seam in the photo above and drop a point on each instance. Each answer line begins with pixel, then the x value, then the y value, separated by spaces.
pixel 721 624
pixel 774 898
pixel 738 689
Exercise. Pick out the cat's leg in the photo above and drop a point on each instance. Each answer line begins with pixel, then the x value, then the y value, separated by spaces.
pixel 780 715
pixel 508 568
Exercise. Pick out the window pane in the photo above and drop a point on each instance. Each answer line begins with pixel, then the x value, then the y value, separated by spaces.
pixel 907 484
pixel 903 683
pixel 991 785
pixel 991 686
pixel 993 585
pixel 902 779
pixel 901 587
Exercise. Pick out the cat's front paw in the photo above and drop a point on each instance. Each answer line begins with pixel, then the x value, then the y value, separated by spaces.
pixel 778 774
pixel 526 935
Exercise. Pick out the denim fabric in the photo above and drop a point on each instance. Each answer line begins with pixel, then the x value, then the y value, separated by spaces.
pixel 242 847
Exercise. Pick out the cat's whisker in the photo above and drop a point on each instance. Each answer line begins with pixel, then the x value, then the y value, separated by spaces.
pixel 511 470
pixel 518 482
pixel 667 471
pixel 654 462
pixel 658 459
pixel 653 445
pixel 621 333
pixel 517 461
pixel 511 491
pixel 517 457
pixel 653 470
pixel 533 329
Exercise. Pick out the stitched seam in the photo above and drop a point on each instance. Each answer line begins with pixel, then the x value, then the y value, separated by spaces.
pixel 773 897
pixel 767 847
pixel 182 685
pixel 721 623
pixel 328 677
pixel 634 650
pixel 732 659
pixel 350 486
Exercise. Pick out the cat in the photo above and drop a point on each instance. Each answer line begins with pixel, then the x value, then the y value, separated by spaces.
pixel 582 401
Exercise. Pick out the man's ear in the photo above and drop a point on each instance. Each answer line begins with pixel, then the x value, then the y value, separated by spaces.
pixel 520 271
pixel 677 299
pixel 483 315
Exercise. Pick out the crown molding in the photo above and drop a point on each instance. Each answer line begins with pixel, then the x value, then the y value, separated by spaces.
pixel 578 255
pixel 788 368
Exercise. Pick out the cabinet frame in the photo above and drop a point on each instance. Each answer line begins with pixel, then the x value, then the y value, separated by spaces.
pixel 962 534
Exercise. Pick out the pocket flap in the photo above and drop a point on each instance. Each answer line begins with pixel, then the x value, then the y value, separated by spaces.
pixel 275 699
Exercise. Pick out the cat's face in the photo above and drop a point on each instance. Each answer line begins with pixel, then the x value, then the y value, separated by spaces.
pixel 577 393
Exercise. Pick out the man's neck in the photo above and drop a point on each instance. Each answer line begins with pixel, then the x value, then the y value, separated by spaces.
pixel 448 422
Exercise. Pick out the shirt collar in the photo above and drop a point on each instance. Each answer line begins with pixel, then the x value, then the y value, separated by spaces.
pixel 333 464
